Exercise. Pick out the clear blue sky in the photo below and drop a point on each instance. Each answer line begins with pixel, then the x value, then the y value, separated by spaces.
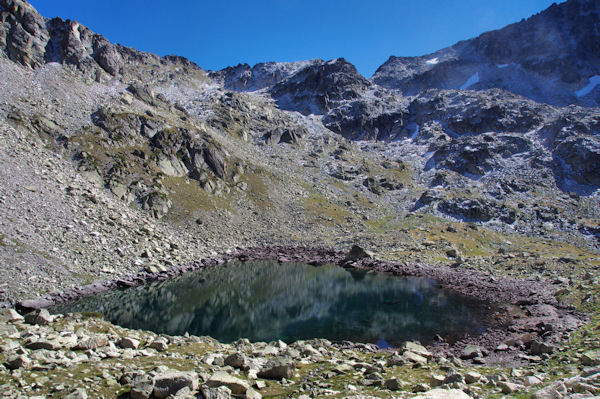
pixel 220 33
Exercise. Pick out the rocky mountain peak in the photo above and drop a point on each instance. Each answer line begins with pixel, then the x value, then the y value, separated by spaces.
pixel 31 40
pixel 551 57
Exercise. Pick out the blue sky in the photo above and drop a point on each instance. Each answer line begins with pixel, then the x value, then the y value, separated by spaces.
pixel 216 34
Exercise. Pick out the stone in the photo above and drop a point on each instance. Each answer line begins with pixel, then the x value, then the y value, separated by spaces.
pixel 509 387
pixel 216 393
pixel 252 394
pixel 161 344
pixel 531 381
pixel 472 377
pixel 412 357
pixel 421 387
pixel 10 315
pixel 128 343
pixel 539 348
pixel 78 393
pixel 415 348
pixel 221 378
pixel 169 383
pixel 454 378
pixel 547 393
pixel 393 384
pixel 51 345
pixel 41 317
pixel 440 393
pixel 93 342
pixel 278 368
pixel 591 358
pixel 17 362
pixel 142 387
pixel 237 360
pixel 356 252
pixel 471 352
pixel 436 380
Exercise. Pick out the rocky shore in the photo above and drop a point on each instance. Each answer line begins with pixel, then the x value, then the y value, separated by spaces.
pixel 529 333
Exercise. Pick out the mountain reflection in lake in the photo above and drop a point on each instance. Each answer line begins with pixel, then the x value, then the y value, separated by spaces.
pixel 264 300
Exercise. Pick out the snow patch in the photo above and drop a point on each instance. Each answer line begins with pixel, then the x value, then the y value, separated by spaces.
pixel 471 81
pixel 502 66
pixel 593 82
pixel 432 61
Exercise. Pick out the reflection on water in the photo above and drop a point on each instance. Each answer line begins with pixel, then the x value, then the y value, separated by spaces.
pixel 266 301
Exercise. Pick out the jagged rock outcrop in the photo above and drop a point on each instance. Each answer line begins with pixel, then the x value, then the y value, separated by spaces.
pixel 32 40
pixel 262 75
pixel 551 57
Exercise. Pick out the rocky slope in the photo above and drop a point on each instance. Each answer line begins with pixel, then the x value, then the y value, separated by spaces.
pixel 115 162
pixel 551 57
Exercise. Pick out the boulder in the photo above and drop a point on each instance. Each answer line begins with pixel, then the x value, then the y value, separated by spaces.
pixel 278 368
pixel 415 348
pixel 412 357
pixel 9 315
pixel 78 393
pixel 160 344
pixel 216 393
pixel 169 383
pixel 237 360
pixel 142 387
pixel 356 252
pixel 128 343
pixel 17 362
pixel 221 378
pixel 40 316
pixel 591 358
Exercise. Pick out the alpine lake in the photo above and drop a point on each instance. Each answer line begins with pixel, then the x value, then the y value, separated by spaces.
pixel 267 301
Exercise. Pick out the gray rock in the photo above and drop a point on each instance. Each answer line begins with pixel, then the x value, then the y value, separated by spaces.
pixel 394 384
pixel 237 360
pixel 17 361
pixel 454 378
pixel 9 315
pixel 216 393
pixel 221 378
pixel 51 345
pixel 356 252
pixel 539 348
pixel 278 368
pixel 128 343
pixel 415 348
pixel 142 387
pixel 471 352
pixel 93 342
pixel 78 393
pixel 591 358
pixel 41 317
pixel 509 387
pixel 160 344
pixel 169 383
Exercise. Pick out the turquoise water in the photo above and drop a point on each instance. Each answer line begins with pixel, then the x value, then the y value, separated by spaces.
pixel 265 301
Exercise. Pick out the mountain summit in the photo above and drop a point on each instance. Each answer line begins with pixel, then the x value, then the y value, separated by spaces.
pixel 552 57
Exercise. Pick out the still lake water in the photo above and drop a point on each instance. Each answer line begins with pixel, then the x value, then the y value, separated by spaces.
pixel 266 301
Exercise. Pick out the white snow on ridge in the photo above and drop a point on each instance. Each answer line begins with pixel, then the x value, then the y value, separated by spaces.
pixel 432 61
pixel 471 81
pixel 594 81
